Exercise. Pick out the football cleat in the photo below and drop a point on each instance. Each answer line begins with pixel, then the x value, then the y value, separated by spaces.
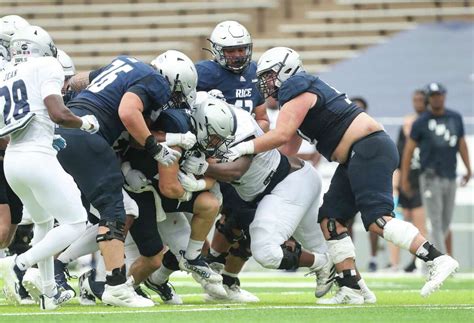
pixel 124 295
pixel 86 295
pixel 216 290
pixel 166 292
pixel 32 283
pixel 199 267
pixel 12 276
pixel 344 295
pixel 52 303
pixel 369 296
pixel 61 273
pixel 234 294
pixel 438 271
pixel 324 277
pixel 216 263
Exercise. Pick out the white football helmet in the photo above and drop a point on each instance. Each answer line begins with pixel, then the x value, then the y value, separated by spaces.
pixel 8 26
pixel 274 67
pixel 66 63
pixel 215 124
pixel 231 35
pixel 178 69
pixel 31 41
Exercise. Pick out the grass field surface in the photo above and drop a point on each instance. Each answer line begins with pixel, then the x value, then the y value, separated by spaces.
pixel 285 297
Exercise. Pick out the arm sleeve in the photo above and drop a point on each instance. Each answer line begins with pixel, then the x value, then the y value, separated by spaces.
pixel 51 78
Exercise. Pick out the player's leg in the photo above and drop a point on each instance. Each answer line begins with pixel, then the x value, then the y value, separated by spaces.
pixel 376 158
pixel 99 177
pixel 8 218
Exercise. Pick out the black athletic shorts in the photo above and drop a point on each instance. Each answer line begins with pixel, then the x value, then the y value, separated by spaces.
pixel 364 182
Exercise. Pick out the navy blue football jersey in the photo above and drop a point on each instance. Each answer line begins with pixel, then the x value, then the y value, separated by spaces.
pixel 170 121
pixel 103 95
pixel 238 89
pixel 325 123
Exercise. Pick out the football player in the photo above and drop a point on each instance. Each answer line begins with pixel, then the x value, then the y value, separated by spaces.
pixel 367 157
pixel 121 95
pixel 231 75
pixel 31 88
pixel 271 183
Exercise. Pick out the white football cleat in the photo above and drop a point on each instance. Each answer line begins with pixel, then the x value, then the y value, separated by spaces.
pixel 199 267
pixel 11 282
pixel 234 294
pixel 32 283
pixel 369 296
pixel 439 270
pixel 344 295
pixel 215 290
pixel 324 277
pixel 52 303
pixel 124 295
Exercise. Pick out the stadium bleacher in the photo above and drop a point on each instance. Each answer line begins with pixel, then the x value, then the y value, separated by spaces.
pixel 325 31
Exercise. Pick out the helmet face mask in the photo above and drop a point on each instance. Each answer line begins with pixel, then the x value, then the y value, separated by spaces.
pixel 231 46
pixel 181 74
pixel 8 26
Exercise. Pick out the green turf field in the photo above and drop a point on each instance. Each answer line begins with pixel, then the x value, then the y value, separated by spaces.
pixel 284 298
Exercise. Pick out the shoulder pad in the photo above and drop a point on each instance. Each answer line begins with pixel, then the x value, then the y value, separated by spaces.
pixel 294 86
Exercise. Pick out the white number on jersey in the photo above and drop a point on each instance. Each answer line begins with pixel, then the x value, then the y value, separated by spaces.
pixel 17 97
pixel 109 75
pixel 247 105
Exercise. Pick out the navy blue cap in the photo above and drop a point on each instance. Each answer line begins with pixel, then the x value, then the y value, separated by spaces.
pixel 434 87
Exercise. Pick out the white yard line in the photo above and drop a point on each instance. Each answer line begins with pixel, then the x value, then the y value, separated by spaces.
pixel 245 308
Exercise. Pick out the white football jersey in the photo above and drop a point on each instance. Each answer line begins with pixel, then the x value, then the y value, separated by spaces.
pixel 263 164
pixel 23 88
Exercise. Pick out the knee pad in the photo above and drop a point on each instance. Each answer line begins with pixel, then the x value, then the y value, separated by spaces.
pixel 341 249
pixel 115 231
pixel 170 261
pixel 399 232
pixel 242 251
pixel 331 225
pixel 291 256
pixel 226 229
pixel 22 239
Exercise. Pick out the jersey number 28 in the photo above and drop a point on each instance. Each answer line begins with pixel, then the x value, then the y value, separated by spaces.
pixel 20 101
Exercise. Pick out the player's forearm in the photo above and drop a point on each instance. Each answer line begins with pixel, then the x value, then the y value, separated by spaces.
pixel 228 172
pixel 406 159
pixel 136 126
pixel 60 114
pixel 79 81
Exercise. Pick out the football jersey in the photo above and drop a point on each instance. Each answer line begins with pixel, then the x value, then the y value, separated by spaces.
pixel 254 181
pixel 23 88
pixel 326 122
pixel 103 95
pixel 238 89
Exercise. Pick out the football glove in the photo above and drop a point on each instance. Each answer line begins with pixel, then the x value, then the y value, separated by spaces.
pixel 59 142
pixel 90 123
pixel 190 183
pixel 195 165
pixel 185 140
